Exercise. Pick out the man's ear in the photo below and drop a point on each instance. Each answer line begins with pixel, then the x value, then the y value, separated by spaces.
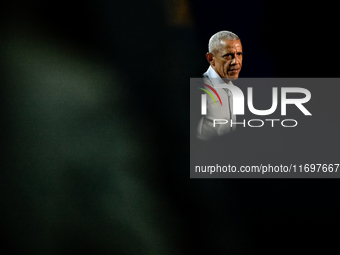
pixel 210 58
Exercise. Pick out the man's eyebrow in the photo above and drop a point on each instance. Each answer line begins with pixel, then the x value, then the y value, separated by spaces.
pixel 231 53
pixel 228 54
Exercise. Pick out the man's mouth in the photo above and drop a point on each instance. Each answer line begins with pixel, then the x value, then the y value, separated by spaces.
pixel 234 70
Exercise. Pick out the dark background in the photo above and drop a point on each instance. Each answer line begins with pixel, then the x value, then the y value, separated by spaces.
pixel 93 158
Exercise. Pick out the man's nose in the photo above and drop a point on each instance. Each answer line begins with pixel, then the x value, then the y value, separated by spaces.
pixel 235 61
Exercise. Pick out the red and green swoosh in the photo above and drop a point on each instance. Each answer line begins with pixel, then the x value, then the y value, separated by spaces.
pixel 213 90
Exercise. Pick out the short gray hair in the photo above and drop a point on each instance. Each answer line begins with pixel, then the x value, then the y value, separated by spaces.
pixel 215 40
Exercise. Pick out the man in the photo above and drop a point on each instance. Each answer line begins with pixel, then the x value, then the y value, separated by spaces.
pixel 225 59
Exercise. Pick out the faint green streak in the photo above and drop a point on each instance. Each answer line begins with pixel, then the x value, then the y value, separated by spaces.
pixel 209 94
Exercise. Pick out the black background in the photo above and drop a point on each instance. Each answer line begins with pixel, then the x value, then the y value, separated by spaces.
pixel 155 61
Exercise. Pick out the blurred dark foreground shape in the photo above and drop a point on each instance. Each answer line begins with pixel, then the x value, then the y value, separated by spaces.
pixel 79 175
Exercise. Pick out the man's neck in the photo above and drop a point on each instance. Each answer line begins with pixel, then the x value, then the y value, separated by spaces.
pixel 215 78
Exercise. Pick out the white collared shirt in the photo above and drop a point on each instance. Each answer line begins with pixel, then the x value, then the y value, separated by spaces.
pixel 215 78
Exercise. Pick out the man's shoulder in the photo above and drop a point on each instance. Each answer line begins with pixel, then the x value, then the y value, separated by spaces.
pixel 206 79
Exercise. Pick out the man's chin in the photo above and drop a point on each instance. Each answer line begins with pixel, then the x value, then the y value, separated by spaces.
pixel 230 78
pixel 233 78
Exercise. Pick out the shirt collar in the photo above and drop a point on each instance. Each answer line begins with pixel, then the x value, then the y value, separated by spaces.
pixel 215 78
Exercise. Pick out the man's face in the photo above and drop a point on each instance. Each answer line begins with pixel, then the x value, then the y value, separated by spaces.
pixel 227 61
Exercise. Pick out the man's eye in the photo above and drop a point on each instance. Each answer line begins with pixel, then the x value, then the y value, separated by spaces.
pixel 240 53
